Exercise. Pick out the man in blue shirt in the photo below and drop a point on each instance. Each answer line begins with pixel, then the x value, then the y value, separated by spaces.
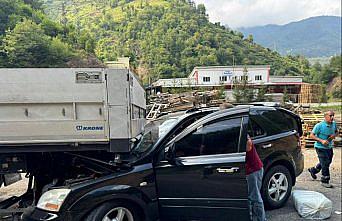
pixel 324 133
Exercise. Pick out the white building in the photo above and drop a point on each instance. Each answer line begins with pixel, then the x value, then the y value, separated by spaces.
pixel 213 76
pixel 219 75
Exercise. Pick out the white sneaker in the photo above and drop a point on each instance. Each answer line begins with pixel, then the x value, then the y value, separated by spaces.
pixel 327 185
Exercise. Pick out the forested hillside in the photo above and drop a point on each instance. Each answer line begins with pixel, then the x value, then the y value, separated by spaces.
pixel 163 38
pixel 28 38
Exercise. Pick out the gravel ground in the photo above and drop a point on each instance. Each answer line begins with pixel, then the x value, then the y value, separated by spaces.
pixel 305 182
pixel 15 189
pixel 288 212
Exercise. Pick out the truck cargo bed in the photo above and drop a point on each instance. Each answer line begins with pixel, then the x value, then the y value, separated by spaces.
pixel 67 107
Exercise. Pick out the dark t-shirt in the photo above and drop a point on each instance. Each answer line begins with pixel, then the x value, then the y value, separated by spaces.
pixel 253 162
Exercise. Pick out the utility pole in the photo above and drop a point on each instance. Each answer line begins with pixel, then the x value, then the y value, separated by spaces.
pixel 64 19
pixel 233 75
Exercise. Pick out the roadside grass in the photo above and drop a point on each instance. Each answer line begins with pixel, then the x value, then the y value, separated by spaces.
pixel 335 108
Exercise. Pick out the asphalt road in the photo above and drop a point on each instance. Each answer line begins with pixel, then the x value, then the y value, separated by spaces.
pixel 305 182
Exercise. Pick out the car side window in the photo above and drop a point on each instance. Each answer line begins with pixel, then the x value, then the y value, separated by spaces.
pixel 275 121
pixel 254 130
pixel 187 123
pixel 292 123
pixel 218 137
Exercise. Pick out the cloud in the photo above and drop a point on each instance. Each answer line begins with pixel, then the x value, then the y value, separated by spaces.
pixel 247 13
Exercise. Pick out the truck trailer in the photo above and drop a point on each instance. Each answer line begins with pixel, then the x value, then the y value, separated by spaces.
pixel 58 123
pixel 56 109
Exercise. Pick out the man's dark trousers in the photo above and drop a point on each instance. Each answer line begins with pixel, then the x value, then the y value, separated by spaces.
pixel 325 158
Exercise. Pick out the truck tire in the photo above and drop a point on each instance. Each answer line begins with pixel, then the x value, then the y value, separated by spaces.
pixel 276 187
pixel 120 211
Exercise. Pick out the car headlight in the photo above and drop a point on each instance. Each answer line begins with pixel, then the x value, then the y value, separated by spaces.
pixel 52 200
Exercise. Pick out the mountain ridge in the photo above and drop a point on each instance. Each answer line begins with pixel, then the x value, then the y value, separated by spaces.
pixel 312 37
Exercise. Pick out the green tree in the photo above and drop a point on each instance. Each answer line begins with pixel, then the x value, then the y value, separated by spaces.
pixel 324 96
pixel 286 96
pixel 242 91
pixel 324 74
pixel 28 46
pixel 221 92
pixel 169 36
pixel 337 91
pixel 163 37
pixel 260 97
pixel 36 4
pixel 59 53
pixel 11 12
pixel 237 92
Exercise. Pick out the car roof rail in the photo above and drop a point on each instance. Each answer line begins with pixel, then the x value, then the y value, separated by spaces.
pixel 262 104
pixel 194 109
pixel 191 110
pixel 162 114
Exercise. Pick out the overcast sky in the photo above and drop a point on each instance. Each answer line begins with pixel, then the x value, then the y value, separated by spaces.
pixel 247 13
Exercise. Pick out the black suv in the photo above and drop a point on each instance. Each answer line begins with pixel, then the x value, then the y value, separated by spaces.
pixel 187 167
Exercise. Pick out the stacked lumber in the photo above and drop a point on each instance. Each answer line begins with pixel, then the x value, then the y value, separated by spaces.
pixel 310 120
pixel 167 102
pixel 338 140
pixel 310 93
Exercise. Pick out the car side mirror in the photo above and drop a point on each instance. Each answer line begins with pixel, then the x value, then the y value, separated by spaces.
pixel 170 153
pixel 136 139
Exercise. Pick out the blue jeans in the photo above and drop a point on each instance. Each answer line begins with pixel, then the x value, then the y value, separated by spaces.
pixel 325 157
pixel 256 205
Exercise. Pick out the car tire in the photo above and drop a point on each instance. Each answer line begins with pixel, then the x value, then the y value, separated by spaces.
pixel 122 211
pixel 276 187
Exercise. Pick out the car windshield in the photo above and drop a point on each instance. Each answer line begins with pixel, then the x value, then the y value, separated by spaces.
pixel 154 131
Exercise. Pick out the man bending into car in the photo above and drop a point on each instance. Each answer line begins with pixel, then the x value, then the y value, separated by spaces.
pixel 254 173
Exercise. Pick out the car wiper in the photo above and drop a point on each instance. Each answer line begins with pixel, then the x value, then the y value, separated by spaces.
pixel 135 153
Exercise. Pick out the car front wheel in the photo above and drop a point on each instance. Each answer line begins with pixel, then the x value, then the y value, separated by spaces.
pixel 276 187
pixel 114 211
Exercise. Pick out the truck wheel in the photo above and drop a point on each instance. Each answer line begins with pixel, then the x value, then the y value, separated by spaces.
pixel 276 187
pixel 116 211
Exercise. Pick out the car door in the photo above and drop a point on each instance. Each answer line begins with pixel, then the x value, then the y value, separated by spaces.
pixel 206 178
pixel 273 131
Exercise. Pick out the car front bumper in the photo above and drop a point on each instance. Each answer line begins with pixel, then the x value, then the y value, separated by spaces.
pixel 34 214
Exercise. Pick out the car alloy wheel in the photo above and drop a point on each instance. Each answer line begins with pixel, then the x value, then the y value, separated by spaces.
pixel 278 187
pixel 115 211
pixel 118 214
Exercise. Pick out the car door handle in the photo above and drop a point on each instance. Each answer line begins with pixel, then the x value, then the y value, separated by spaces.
pixel 228 170
pixel 266 146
